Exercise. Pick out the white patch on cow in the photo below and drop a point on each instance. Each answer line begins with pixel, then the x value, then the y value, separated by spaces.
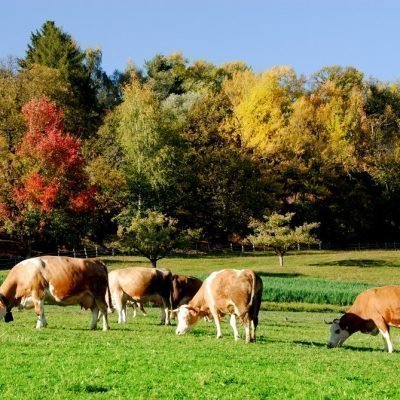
pixel 338 335
pixel 211 304
pixel 183 320
pixel 388 342
pixel 51 292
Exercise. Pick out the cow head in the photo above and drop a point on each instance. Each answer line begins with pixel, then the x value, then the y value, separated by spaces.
pixel 5 309
pixel 340 331
pixel 187 317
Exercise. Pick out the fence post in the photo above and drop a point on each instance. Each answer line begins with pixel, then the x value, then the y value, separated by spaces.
pixel 112 251
pixel 298 246
pixel 58 251
pixel 231 247
pixel 97 254
pixel 73 251
pixel 254 249
pixel 84 249
pixel 242 248
pixel 320 245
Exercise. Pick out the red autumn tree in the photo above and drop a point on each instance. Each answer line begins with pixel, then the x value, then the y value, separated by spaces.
pixel 51 190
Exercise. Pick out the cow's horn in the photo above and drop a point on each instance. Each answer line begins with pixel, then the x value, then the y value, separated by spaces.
pixel 328 323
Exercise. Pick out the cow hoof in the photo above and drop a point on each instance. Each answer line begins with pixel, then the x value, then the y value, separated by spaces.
pixel 237 338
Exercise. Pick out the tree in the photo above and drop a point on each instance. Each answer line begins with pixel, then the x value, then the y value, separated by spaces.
pixel 52 47
pixel 50 192
pixel 152 235
pixel 148 143
pixel 275 232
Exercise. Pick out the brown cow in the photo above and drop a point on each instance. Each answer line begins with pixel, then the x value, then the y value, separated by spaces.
pixel 373 311
pixel 183 289
pixel 60 280
pixel 140 285
pixel 229 291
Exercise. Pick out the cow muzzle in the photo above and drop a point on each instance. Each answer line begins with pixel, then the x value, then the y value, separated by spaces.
pixel 8 317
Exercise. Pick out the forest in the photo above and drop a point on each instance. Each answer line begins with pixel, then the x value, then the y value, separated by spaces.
pixel 211 147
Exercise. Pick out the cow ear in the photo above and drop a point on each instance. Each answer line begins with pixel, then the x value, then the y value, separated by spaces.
pixel 194 310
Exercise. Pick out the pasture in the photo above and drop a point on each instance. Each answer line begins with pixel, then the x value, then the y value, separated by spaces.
pixel 144 360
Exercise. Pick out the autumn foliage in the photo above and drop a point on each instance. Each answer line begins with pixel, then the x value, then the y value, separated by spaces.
pixel 51 178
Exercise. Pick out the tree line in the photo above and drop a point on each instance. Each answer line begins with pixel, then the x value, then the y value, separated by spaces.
pixel 213 148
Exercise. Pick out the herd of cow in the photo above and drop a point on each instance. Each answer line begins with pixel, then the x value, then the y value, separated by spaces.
pixel 238 293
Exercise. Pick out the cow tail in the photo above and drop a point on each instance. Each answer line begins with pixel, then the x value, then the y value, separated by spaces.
pixel 110 304
pixel 171 291
pixel 253 288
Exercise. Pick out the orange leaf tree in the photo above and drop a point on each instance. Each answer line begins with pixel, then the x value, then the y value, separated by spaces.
pixel 50 194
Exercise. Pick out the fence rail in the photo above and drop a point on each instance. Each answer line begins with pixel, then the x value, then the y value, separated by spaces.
pixel 206 248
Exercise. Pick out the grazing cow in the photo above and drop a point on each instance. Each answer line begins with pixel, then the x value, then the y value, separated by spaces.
pixel 60 280
pixel 140 285
pixel 373 311
pixel 183 289
pixel 229 291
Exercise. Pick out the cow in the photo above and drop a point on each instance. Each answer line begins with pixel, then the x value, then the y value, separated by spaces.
pixel 59 280
pixel 140 284
pixel 372 312
pixel 183 289
pixel 229 291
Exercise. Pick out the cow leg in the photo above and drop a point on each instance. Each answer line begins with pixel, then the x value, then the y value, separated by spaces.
pixel 386 338
pixel 252 331
pixel 247 330
pixel 165 313
pixel 142 309
pixel 120 305
pixel 234 327
pixel 39 309
pixel 102 306
pixel 384 330
pixel 217 322
pixel 95 316
pixel 134 306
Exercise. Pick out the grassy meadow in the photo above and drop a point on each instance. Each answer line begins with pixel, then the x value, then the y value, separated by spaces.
pixel 143 360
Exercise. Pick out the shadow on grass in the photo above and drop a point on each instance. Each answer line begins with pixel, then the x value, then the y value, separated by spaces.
pixel 278 274
pixel 81 388
pixel 127 263
pixel 305 343
pixel 347 348
pixel 363 263
pixel 217 254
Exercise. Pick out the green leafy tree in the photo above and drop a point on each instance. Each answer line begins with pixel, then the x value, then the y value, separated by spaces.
pixel 147 141
pixel 152 235
pixel 275 232
pixel 52 47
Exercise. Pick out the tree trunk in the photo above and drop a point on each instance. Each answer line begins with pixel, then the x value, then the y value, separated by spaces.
pixel 153 262
pixel 28 248
pixel 280 260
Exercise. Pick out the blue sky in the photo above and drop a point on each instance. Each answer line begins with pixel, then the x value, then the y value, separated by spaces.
pixel 306 35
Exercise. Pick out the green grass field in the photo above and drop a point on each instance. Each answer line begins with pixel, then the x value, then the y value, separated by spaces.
pixel 143 360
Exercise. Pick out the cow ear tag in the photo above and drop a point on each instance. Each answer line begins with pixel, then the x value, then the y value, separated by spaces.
pixel 8 317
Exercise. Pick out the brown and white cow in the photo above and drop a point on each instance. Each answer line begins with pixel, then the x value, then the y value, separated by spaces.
pixel 229 291
pixel 140 285
pixel 184 289
pixel 60 280
pixel 373 311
